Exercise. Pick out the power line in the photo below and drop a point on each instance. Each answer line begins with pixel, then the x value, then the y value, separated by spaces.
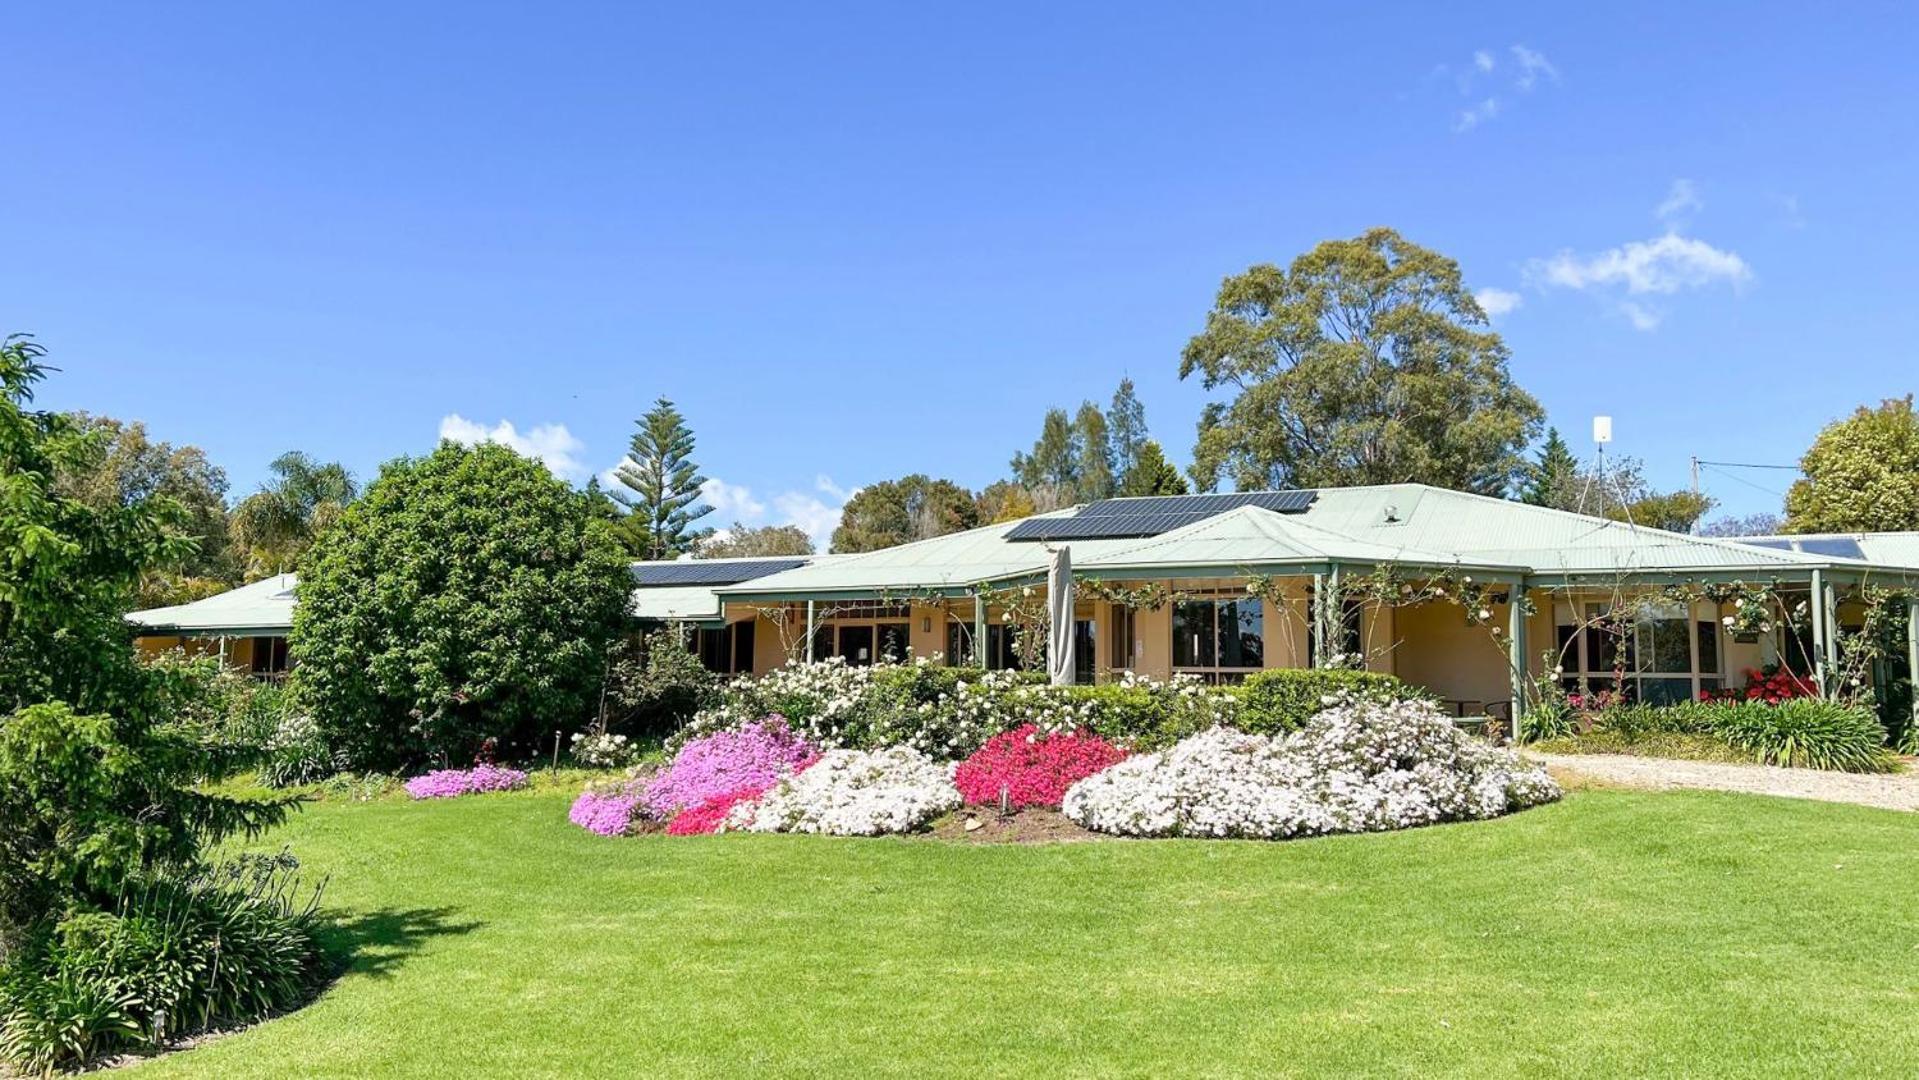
pixel 1746 465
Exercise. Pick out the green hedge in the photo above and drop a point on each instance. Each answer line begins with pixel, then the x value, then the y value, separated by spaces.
pixel 1282 700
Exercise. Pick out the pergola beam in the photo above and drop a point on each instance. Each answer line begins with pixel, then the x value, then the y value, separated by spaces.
pixel 1516 650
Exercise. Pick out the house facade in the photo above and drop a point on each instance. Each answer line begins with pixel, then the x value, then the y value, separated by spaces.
pixel 1472 597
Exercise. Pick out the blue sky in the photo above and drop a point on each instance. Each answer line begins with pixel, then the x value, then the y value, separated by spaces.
pixel 854 241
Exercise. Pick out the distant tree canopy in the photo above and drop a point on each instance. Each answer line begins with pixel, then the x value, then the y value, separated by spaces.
pixel 1365 362
pixel 892 512
pixel 659 485
pixel 1004 500
pixel 1091 456
pixel 1749 525
pixel 1620 493
pixel 467 595
pixel 130 468
pixel 273 527
pixel 744 541
pixel 1552 479
pixel 1861 474
pixel 1151 474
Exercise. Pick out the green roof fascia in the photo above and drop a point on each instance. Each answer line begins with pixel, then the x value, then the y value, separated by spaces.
pixel 924 592
pixel 148 630
pixel 1851 574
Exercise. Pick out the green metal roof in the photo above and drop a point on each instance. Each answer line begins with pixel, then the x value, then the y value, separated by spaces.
pixel 1405 524
pixel 1894 549
pixel 262 609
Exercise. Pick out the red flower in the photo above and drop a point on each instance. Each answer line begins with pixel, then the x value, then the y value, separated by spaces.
pixel 1032 769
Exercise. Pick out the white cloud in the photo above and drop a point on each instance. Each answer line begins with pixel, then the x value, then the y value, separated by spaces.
pixel 1680 202
pixel 1499 302
pixel 1477 115
pixel 1532 65
pixel 733 502
pixel 1670 264
pixel 1641 316
pixel 552 444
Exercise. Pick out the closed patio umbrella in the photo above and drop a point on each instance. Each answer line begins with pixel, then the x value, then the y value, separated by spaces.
pixel 1059 613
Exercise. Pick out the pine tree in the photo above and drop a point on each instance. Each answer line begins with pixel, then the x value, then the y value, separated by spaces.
pixel 1126 425
pixel 660 487
pixel 1152 474
pixel 1054 462
pixel 1550 479
pixel 1097 477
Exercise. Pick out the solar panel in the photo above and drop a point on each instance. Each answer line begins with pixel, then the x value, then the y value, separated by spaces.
pixel 1123 518
pixel 1838 547
pixel 1776 545
pixel 707 572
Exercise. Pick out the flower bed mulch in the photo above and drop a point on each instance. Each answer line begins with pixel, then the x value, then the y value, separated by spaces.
pixel 1033 825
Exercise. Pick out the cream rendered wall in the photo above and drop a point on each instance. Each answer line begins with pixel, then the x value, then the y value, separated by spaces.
pixel 1288 635
pixel 1153 655
pixel 1440 651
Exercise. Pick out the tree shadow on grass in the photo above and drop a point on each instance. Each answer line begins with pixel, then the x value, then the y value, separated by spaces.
pixel 377 941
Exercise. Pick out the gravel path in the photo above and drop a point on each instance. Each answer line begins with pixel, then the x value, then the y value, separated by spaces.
pixel 1893 791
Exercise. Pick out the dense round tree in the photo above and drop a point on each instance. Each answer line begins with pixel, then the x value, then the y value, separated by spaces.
pixel 1862 474
pixel 467 595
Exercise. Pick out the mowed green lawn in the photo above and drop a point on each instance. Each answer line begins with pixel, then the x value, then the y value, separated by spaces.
pixel 1676 934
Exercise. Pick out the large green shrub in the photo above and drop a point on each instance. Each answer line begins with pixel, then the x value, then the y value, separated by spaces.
pixel 654 685
pixel 467 595
pixel 1283 699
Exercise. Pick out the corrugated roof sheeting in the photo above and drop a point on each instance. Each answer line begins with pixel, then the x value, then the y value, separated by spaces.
pixel 1900 549
pixel 263 608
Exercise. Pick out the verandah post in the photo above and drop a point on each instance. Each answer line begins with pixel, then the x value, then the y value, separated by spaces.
pixel 979 629
pixel 1516 650
pixel 1318 611
pixel 812 627
pixel 1817 603
pixel 1912 653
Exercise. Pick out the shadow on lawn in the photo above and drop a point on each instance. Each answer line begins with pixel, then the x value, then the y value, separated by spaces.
pixel 378 941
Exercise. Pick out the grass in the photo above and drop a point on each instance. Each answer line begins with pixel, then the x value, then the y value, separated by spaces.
pixel 1678 934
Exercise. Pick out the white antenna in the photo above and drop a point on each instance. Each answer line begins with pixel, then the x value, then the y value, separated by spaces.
pixel 1602 431
pixel 1602 434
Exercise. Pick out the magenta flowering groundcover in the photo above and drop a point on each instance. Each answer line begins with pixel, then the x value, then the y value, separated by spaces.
pixel 449 783
pixel 752 756
pixel 606 813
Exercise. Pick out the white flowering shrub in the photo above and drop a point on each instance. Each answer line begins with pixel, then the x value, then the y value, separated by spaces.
pixel 1357 767
pixel 854 793
pixel 950 712
pixel 603 751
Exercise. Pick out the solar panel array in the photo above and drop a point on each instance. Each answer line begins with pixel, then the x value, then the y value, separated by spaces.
pixel 1113 519
pixel 1836 547
pixel 709 572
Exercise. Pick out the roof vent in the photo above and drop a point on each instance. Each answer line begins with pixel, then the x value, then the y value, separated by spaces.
pixel 1390 514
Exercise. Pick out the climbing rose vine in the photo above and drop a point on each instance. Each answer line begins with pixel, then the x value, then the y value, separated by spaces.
pixel 1031 767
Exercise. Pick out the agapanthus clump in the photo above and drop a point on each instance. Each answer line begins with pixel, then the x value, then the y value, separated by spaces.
pixel 854 793
pixel 755 754
pixel 1357 767
pixel 1032 768
pixel 451 783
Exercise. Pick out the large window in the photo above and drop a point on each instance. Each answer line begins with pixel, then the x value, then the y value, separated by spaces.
pixel 1221 639
pixel 727 650
pixel 1119 642
pixel 270 659
pixel 862 644
pixel 1345 639
pixel 1659 654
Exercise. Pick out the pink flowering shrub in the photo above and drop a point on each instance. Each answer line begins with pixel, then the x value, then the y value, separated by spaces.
pixel 710 814
pixel 753 755
pixel 1034 769
pixel 480 779
pixel 608 813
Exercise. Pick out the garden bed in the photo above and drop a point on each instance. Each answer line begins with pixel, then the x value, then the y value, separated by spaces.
pixel 1033 825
